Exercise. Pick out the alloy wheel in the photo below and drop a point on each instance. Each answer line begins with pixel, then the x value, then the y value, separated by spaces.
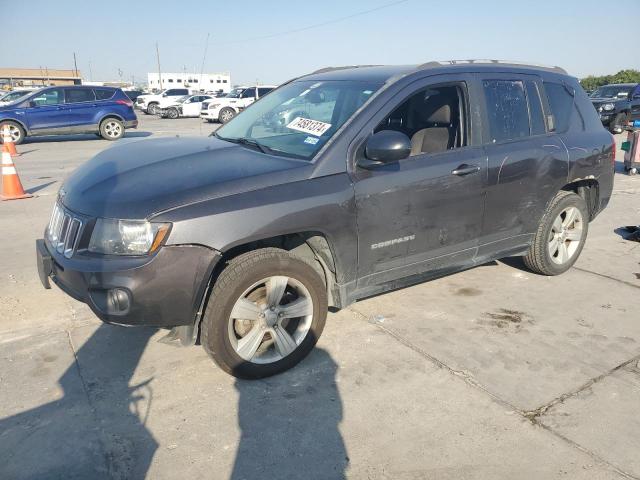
pixel 565 235
pixel 270 319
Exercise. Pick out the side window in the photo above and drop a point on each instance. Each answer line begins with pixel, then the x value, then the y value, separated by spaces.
pixel 50 97
pixel 103 93
pixel 263 91
pixel 77 95
pixel 506 109
pixel 561 104
pixel 249 93
pixel 535 109
pixel 433 118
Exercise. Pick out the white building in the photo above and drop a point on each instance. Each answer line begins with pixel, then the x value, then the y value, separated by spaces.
pixel 193 81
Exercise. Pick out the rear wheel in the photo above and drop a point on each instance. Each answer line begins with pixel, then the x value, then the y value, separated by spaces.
pixel 111 129
pixel 226 114
pixel 561 235
pixel 265 313
pixel 16 131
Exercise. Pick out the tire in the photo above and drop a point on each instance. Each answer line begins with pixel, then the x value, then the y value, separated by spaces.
pixel 111 129
pixel 173 113
pixel 208 120
pixel 152 108
pixel 226 114
pixel 15 129
pixel 242 283
pixel 557 246
pixel 615 126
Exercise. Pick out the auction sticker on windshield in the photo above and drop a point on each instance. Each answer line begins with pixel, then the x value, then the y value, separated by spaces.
pixel 306 125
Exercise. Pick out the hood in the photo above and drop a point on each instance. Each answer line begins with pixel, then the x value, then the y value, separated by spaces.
pixel 600 100
pixel 140 178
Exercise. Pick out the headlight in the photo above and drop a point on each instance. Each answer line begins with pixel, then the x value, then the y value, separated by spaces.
pixel 213 105
pixel 608 106
pixel 127 237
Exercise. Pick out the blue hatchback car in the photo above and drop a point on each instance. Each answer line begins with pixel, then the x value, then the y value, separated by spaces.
pixel 105 111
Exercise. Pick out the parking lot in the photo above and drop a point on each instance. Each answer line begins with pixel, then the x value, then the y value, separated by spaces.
pixel 494 372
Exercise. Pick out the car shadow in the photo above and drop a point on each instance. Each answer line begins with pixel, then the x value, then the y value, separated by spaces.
pixel 97 428
pixel 629 232
pixel 79 137
pixel 42 186
pixel 290 424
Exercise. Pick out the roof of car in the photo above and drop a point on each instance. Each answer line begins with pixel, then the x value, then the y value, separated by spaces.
pixel 382 73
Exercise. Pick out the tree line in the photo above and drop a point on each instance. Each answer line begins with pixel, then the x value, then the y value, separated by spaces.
pixel 623 76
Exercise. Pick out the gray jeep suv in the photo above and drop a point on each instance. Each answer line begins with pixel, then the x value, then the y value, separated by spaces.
pixel 385 176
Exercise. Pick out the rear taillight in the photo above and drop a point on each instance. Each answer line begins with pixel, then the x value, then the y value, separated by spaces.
pixel 613 150
pixel 128 103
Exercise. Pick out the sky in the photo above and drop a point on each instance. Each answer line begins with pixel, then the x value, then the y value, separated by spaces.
pixel 273 41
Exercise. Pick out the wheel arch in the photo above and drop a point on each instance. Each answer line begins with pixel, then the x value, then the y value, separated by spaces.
pixel 110 115
pixel 312 246
pixel 589 190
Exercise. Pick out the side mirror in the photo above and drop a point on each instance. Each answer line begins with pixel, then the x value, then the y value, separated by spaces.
pixel 387 146
pixel 164 94
pixel 32 103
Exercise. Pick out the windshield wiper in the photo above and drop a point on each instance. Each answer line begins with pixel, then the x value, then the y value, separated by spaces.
pixel 244 141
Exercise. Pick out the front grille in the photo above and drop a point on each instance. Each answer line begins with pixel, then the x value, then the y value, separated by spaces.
pixel 64 231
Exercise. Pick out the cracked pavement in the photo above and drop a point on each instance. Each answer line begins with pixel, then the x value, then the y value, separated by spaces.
pixel 494 372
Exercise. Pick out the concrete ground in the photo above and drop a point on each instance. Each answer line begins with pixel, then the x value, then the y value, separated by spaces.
pixel 491 373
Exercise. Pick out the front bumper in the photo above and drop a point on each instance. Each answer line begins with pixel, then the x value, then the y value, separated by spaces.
pixel 161 290
pixel 210 114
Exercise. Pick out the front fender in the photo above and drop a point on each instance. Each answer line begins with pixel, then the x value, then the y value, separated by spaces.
pixel 324 205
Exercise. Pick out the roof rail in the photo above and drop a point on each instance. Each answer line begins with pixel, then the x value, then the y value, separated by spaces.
pixel 490 61
pixel 331 69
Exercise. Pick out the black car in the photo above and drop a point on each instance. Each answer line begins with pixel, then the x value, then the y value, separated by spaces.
pixel 387 176
pixel 617 104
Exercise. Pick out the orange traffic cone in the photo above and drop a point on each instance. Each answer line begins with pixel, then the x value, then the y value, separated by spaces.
pixel 11 186
pixel 7 140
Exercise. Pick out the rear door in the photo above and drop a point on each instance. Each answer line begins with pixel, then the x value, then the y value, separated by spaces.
pixel 81 104
pixel 635 103
pixel 191 108
pixel 526 163
pixel 49 112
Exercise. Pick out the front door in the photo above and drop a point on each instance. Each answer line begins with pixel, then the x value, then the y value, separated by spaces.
pixel 424 212
pixel 48 111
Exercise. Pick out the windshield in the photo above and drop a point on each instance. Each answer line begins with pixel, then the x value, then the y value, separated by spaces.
pixel 182 99
pixel 612 91
pixel 235 93
pixel 299 118
pixel 10 97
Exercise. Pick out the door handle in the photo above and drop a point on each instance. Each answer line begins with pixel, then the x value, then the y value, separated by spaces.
pixel 465 169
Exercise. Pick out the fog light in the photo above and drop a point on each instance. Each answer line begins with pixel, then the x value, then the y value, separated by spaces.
pixel 117 301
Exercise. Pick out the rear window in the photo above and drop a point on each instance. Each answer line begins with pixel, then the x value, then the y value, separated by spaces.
pixel 561 104
pixel 177 91
pixel 507 109
pixel 104 93
pixel 263 91
pixel 79 95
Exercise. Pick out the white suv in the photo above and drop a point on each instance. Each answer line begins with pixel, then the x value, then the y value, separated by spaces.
pixel 225 108
pixel 149 103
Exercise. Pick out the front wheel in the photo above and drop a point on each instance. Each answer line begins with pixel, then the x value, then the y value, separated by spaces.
pixel 226 114
pixel 111 129
pixel 173 113
pixel 16 132
pixel 266 311
pixel 561 235
pixel 619 121
pixel 152 108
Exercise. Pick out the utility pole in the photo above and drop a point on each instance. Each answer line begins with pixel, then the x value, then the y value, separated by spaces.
pixel 159 72
pixel 204 56
pixel 75 63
